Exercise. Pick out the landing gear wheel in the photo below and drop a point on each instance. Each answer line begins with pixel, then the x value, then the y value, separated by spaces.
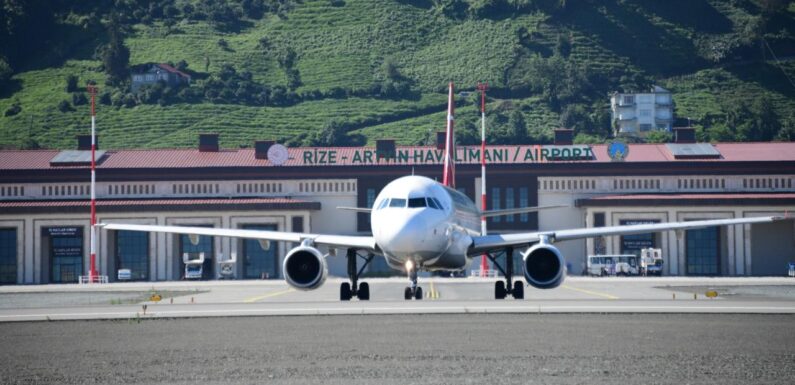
pixel 499 290
pixel 518 290
pixel 345 291
pixel 418 293
pixel 408 294
pixel 364 291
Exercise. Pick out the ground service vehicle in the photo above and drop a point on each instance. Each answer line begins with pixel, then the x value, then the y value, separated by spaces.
pixel 651 261
pixel 605 265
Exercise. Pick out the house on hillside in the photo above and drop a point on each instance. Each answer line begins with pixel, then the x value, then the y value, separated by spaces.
pixel 154 73
pixel 639 113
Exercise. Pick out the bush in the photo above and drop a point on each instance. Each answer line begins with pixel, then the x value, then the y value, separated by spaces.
pixel 79 99
pixel 13 109
pixel 64 106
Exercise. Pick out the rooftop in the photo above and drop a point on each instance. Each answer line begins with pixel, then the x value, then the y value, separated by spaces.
pixel 404 155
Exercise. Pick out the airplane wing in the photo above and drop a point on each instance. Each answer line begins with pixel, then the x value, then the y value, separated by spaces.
pixel 342 241
pixel 521 210
pixel 491 242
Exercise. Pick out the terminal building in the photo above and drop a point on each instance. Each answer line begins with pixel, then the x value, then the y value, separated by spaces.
pixel 44 202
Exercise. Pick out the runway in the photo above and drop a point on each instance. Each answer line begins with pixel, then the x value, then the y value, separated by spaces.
pixel 443 296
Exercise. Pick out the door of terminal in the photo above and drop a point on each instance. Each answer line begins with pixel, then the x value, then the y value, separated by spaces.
pixel 204 245
pixel 258 262
pixel 66 253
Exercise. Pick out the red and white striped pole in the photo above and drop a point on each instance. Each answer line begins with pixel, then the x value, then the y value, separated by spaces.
pixel 484 263
pixel 92 273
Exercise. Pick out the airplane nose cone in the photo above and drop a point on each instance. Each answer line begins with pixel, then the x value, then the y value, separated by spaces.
pixel 404 237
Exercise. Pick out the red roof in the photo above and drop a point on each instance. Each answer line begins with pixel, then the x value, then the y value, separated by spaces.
pixel 709 199
pixel 114 205
pixel 347 156
pixel 173 70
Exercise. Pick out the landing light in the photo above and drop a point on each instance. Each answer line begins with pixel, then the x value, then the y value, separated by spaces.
pixel 409 265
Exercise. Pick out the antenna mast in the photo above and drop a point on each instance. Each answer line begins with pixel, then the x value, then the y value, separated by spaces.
pixel 482 87
pixel 92 272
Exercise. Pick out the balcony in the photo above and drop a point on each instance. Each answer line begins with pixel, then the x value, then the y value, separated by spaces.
pixel 662 101
pixel 626 117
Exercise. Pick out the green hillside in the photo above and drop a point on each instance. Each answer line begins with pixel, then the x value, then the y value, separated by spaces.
pixel 318 72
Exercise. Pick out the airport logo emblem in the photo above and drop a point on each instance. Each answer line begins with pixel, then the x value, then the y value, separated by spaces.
pixel 277 154
pixel 617 151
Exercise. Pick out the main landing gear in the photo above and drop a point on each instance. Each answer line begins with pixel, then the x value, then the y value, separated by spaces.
pixel 504 288
pixel 412 291
pixel 352 289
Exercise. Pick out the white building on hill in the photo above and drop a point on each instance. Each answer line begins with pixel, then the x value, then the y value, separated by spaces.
pixel 639 113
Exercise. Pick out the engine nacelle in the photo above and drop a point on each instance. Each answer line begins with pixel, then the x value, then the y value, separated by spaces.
pixel 305 268
pixel 544 267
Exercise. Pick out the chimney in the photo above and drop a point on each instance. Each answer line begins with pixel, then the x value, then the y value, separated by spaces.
pixel 564 137
pixel 84 142
pixel 684 135
pixel 441 138
pixel 208 142
pixel 385 148
pixel 261 148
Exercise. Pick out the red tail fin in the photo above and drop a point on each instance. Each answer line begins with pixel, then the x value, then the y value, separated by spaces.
pixel 449 144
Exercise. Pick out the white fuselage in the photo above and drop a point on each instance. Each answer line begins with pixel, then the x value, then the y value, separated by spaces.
pixel 418 219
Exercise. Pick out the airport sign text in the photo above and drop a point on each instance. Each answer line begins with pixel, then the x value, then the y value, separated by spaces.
pixel 430 156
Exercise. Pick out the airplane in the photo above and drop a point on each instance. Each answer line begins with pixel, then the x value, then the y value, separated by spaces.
pixel 419 224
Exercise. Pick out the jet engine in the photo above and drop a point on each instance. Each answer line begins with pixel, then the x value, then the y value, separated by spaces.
pixel 305 268
pixel 544 267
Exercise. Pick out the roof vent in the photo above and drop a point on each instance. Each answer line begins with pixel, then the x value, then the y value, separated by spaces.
pixel 564 137
pixel 385 148
pixel 208 142
pixel 261 148
pixel 684 135
pixel 84 142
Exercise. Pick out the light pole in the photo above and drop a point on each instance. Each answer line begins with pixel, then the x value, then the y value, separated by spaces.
pixel 482 87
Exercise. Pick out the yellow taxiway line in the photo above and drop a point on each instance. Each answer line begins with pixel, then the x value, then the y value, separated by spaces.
pixel 269 295
pixel 596 293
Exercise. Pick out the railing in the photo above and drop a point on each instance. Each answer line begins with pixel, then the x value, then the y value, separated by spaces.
pixel 484 273
pixel 87 279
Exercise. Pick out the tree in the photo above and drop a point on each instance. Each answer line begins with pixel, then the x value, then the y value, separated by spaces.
pixel 332 134
pixel 71 83
pixel 517 127
pixel 787 132
pixel 115 55
pixel 5 71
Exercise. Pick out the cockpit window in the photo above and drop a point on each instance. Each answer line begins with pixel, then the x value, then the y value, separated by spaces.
pixel 383 203
pixel 416 202
pixel 437 203
pixel 397 202
pixel 432 204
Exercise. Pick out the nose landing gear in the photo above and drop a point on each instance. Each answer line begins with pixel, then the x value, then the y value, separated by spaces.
pixel 412 291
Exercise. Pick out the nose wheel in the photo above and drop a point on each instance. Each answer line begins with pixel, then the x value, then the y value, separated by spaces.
pixel 412 291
